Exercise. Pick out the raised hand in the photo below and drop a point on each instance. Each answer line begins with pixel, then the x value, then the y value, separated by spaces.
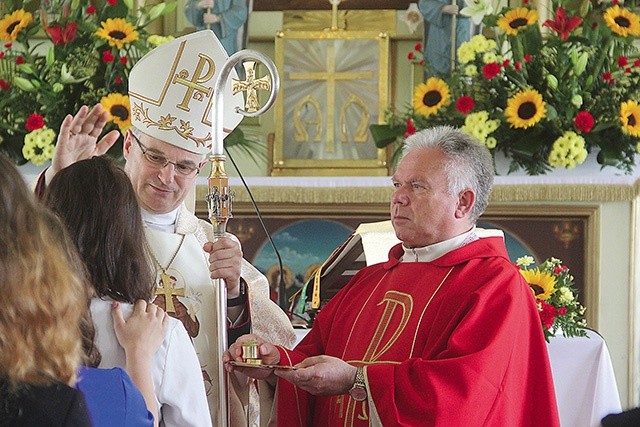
pixel 78 138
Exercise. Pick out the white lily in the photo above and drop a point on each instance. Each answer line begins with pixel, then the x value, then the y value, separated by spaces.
pixel 477 10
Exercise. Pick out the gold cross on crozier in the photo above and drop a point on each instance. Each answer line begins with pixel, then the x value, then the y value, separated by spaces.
pixel 250 85
pixel 168 291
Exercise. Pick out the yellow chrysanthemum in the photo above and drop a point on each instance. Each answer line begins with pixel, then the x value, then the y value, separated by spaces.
pixel 471 70
pixel 429 97
pixel 568 151
pixel 13 23
pixel 157 40
pixel 525 109
pixel 480 127
pixel 630 117
pixel 542 284
pixel 117 32
pixel 622 21
pixel 38 146
pixel 515 19
pixel 117 105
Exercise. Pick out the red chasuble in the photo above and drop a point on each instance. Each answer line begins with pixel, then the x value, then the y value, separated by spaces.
pixel 452 342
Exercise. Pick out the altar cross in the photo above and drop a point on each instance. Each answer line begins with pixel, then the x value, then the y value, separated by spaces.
pixel 168 290
pixel 331 76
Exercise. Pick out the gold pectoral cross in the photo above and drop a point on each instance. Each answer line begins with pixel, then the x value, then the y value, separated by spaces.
pixel 168 290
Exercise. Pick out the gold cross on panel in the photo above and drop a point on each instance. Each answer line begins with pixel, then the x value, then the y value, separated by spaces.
pixel 331 76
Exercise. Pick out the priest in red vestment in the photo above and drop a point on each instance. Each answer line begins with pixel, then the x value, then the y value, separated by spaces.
pixel 445 333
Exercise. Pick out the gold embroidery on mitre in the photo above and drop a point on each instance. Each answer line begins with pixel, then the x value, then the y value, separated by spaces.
pixel 185 130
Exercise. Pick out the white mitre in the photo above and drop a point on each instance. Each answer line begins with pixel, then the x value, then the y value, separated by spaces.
pixel 171 92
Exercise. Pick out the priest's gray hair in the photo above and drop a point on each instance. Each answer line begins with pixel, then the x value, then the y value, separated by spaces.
pixel 468 163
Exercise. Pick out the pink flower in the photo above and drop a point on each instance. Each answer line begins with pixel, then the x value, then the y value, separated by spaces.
pixel 584 123
pixel 34 122
pixel 490 70
pixel 465 104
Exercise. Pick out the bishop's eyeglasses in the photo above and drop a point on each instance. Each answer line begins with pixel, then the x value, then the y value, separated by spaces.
pixel 160 161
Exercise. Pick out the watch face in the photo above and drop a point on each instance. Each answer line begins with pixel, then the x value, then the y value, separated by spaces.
pixel 358 394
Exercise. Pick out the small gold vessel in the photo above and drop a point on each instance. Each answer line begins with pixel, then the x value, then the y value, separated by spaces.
pixel 250 353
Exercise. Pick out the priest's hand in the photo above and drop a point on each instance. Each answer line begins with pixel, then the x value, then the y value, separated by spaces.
pixel 225 262
pixel 321 375
pixel 78 139
pixel 267 352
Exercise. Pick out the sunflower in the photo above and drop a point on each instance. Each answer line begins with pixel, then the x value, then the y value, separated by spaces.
pixel 525 109
pixel 117 32
pixel 430 96
pixel 622 21
pixel 117 105
pixel 517 18
pixel 12 24
pixel 542 284
pixel 630 117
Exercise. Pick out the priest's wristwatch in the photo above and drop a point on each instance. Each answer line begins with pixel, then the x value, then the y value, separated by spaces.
pixel 358 391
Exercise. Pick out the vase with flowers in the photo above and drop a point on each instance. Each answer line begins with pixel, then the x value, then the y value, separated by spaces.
pixel 58 55
pixel 551 283
pixel 544 96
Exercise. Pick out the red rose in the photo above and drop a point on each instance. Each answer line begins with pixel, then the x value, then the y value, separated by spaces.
pixel 112 2
pixel 547 314
pixel 117 80
pixel 418 47
pixel 465 104
pixel 34 122
pixel 636 63
pixel 607 76
pixel 107 56
pixel 527 58
pixel 1 55
pixel 583 122
pixel 123 60
pixel 4 85
pixel 410 56
pixel 518 66
pixel 562 311
pixel 19 60
pixel 506 63
pixel 490 70
pixel 8 45
pixel 622 61
pixel 91 9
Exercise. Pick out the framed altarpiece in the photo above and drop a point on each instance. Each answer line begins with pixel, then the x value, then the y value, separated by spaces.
pixel 334 84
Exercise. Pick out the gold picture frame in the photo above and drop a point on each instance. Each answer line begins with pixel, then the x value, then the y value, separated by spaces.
pixel 334 84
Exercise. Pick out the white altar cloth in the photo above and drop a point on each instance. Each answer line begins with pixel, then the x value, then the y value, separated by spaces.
pixel 583 376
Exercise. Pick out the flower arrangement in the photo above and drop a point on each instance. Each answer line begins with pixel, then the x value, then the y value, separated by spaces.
pixel 545 96
pixel 552 285
pixel 60 54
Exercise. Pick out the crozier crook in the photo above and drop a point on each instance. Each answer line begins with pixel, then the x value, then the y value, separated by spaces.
pixel 219 199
